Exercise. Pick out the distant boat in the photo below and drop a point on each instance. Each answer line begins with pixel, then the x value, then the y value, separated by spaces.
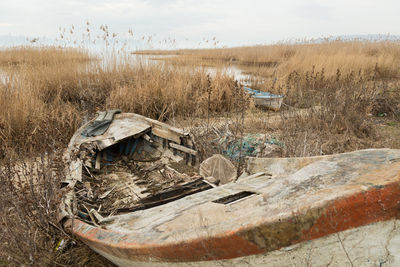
pixel 265 99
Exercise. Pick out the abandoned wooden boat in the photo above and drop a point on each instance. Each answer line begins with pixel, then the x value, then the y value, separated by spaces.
pixel 320 210
pixel 265 99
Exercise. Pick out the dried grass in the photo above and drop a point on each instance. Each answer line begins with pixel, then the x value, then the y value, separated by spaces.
pixel 276 62
pixel 49 90
pixel 29 231
pixel 334 91
pixel 341 112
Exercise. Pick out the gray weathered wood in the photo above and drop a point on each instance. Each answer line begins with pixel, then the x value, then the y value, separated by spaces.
pixel 183 149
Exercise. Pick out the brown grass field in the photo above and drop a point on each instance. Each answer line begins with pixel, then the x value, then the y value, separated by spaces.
pixel 278 61
pixel 340 96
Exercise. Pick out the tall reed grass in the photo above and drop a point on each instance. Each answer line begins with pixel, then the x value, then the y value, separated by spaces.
pixel 342 84
pixel 274 63
pixel 48 90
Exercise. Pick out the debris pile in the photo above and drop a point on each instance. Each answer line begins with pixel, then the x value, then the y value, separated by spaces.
pixel 221 140
pixel 126 162
pixel 122 183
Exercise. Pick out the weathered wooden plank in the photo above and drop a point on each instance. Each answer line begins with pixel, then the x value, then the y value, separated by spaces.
pixel 166 134
pixel 183 149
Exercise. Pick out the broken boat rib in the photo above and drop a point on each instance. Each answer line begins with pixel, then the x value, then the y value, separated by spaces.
pixel 180 218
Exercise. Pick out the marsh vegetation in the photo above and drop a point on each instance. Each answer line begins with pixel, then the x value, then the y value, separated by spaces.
pixel 339 96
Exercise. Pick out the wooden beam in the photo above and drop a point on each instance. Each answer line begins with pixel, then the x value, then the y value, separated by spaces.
pixel 183 149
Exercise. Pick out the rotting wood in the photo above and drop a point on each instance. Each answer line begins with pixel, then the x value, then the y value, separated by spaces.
pixel 183 149
pixel 90 215
pixel 147 138
pixel 119 176
pixel 170 195
pixel 135 192
pixel 163 133
pixel 253 176
pixel 96 215
pixel 213 185
pixel 98 159
pixel 106 193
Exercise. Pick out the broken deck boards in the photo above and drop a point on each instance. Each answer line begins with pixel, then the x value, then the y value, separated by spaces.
pixel 125 167
pixel 128 125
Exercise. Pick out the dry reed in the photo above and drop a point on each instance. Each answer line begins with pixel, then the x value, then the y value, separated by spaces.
pixel 48 90
pixel 274 63
pixel 334 94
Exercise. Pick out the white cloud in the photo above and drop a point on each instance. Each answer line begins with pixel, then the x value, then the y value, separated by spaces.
pixel 3 25
pixel 233 22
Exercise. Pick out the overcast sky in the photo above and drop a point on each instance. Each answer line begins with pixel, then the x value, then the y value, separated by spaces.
pixel 232 22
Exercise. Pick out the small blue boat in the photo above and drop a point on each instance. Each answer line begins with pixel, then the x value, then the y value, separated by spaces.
pixel 265 99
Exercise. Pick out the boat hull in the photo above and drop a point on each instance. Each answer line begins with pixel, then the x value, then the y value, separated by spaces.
pixel 377 244
pixel 307 200
pixel 273 103
pixel 265 99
